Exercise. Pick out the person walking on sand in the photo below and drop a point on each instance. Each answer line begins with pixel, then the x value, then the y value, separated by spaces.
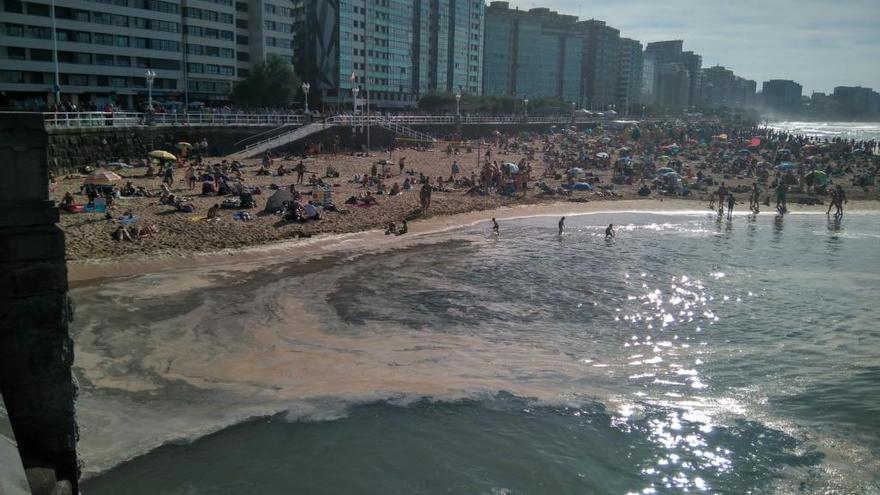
pixel 722 194
pixel 300 169
pixel 190 177
pixel 609 232
pixel 838 198
pixel 561 225
pixel 425 196
pixel 495 228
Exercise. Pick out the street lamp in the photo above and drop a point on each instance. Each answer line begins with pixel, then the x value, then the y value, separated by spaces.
pixel 526 107
pixel 306 86
pixel 457 104
pixel 150 76
pixel 354 105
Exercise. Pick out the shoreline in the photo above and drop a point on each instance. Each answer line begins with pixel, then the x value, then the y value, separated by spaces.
pixel 88 272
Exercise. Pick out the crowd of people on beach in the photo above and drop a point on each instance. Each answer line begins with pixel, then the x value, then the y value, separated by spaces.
pixel 676 159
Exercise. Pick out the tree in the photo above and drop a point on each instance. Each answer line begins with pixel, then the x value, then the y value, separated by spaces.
pixel 271 83
pixel 435 101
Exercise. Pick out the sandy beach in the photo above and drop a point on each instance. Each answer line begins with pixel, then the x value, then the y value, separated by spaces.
pixel 189 235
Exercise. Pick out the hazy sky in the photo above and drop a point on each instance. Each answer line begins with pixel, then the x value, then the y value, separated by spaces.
pixel 818 43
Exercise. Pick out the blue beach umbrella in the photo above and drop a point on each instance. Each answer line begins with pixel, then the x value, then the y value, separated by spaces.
pixel 786 166
pixel 664 170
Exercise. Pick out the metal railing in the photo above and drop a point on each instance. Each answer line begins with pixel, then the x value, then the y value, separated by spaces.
pixel 62 120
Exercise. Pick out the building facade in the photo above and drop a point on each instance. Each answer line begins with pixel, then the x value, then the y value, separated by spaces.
pixel 782 96
pixel 196 48
pixel 669 59
pixel 532 53
pixel 629 75
pixel 856 103
pixel 395 51
pixel 601 58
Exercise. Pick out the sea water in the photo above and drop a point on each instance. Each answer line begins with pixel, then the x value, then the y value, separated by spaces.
pixel 690 353
pixel 860 131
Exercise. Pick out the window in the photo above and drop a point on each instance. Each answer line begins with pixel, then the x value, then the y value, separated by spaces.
pixel 244 56
pixel 103 59
pixel 227 70
pixel 15 53
pixel 195 68
pixel 103 39
pixel 241 6
pixel 242 40
pixel 118 82
pixel 241 23
pixel 14 7
pixel 123 61
pixel 122 41
pixel 41 55
pixel 12 76
pixel 78 80
pixel 39 32
pixel 40 9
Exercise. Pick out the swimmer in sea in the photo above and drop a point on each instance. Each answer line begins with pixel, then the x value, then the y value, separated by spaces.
pixel 495 227
pixel 561 225
pixel 730 202
pixel 609 232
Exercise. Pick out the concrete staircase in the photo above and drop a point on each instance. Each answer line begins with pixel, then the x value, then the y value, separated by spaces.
pixel 260 147
pixel 256 149
pixel 404 130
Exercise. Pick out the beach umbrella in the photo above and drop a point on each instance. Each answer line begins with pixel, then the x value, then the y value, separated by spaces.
pixel 511 167
pixel 575 172
pixel 602 155
pixel 819 177
pixel 786 166
pixel 744 151
pixel 161 155
pixel 183 145
pixel 102 178
pixel 664 170
pixel 671 175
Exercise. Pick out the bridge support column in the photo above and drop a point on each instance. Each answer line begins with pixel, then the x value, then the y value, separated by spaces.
pixel 36 351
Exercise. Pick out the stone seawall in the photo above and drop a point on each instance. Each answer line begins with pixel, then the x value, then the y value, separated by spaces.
pixel 71 149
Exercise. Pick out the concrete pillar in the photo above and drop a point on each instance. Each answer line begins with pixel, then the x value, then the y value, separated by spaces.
pixel 36 351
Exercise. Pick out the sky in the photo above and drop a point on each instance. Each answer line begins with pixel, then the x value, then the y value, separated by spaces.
pixel 817 43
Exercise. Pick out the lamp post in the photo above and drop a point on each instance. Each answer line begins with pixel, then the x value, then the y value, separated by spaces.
pixel 457 104
pixel 354 105
pixel 572 112
pixel 306 86
pixel 526 108
pixel 150 76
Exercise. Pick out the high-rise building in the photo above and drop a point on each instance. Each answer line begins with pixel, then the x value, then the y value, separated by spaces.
pixel 394 51
pixel 673 85
pixel 782 96
pixel 629 76
pixel 532 53
pixel 649 79
pixel 854 103
pixel 601 56
pixel 670 52
pixel 196 48
pixel 694 64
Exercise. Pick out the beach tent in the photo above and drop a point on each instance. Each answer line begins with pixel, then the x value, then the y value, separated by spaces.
pixel 161 155
pixel 511 167
pixel 575 172
pixel 102 178
pixel 579 186
pixel 276 201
